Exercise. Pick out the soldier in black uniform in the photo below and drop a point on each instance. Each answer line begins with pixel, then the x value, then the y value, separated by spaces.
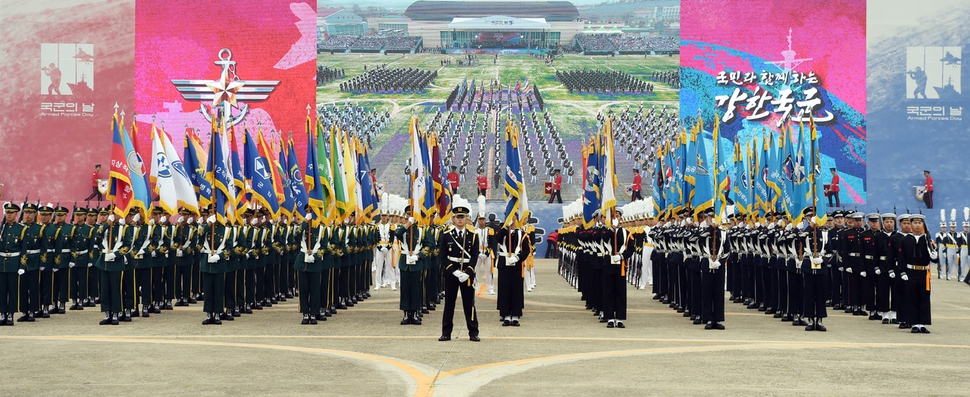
pixel 919 251
pixel 896 266
pixel 619 249
pixel 814 272
pixel 309 265
pixel 713 255
pixel 852 247
pixel 217 250
pixel 511 253
pixel 458 251
pixel 13 249
pixel 30 277
pixel 411 236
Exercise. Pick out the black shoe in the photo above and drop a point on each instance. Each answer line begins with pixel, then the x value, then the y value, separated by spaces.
pixel 837 306
pixel 226 317
pixel 444 338
pixel 167 306
pixel 903 325
pixel 256 306
pixel 23 318
pixel 515 323
pixel 610 324
pixel 820 327
pixel 106 321
pixel 810 327
pixel 236 313
pixel 306 319
pixel 619 324
pixel 923 330
pixel 657 297
pixel 699 322
pixel 216 320
pixel 181 303
pixel 289 295
pixel 859 313
pixel 874 317
pixel 406 320
pixel 718 326
pixel 506 323
pixel 416 320
pixel 208 321
pixel 603 319
pixel 313 320
pixel 60 310
pixel 752 306
pixel 761 308
pixel 114 319
pixel 342 306
pixel 769 311
pixel 709 325
pixel 915 330
pixel 424 310
pixel 686 313
pixel 885 321
pixel 144 313
pixel 799 322
pixel 432 307
pixel 76 306
pixel 894 321
pixel 125 317
pixel 474 338
pixel 783 316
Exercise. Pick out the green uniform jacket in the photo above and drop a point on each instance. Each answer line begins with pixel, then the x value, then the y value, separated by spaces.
pixel 140 235
pixel 81 244
pixel 119 243
pixel 35 246
pixel 220 236
pixel 47 255
pixel 410 238
pixel 63 237
pixel 13 247
pixel 307 244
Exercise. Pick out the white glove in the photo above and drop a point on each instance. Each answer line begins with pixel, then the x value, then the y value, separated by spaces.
pixel 483 255
pixel 181 219
pixel 511 260
pixel 848 269
pixel 141 252
pixel 21 272
pixel 90 264
pixel 411 220
pixel 412 259
pixel 247 255
pixel 190 220
pixel 71 264
pixel 816 260
pixel 309 215
pixel 211 219
pixel 811 220
pixel 109 257
pixel 42 268
pixel 136 218
pixel 934 255
pixel 616 222
pixel 904 277
pixel 457 273
pixel 310 258
pixel 154 254
pixel 121 221
pixel 878 271
pixel 716 265
pixel 616 258
pixel 254 221
pixel 862 273
pixel 463 277
pixel 178 253
pixel 892 274
pixel 111 218
pixel 213 258
pixel 841 269
pixel 163 219
pixel 54 269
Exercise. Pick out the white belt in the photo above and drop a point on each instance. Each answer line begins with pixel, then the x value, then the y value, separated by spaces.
pixel 9 254
pixel 853 254
pixel 66 251
pixel 81 252
pixel 882 258
pixel 50 250
pixel 459 260
pixel 868 256
pixel 33 251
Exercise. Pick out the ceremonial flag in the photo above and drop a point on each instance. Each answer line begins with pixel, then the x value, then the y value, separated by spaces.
pixel 326 173
pixel 659 183
pixel 418 177
pixel 513 173
pixel 442 190
pixel 268 154
pixel 722 175
pixel 815 172
pixel 126 187
pixel 219 174
pixel 760 176
pixel 259 176
pixel 368 194
pixel 690 168
pixel 591 190
pixel 609 170
pixel 776 178
pixel 169 177
pixel 702 196
pixel 298 190
pixel 195 160
pixel 286 205
pixel 741 190
pixel 314 186
pixel 239 181
pixel 427 198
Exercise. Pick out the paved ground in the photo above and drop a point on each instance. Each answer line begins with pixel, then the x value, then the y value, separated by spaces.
pixel 559 350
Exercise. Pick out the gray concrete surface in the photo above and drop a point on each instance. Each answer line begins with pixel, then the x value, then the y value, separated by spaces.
pixel 560 349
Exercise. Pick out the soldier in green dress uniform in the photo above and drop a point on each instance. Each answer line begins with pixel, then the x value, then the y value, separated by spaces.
pixel 13 249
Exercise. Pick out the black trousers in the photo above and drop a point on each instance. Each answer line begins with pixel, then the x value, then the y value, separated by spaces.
pixel 144 280
pixel 325 291
pixel 241 282
pixel 196 275
pixel 110 291
pixel 594 297
pixel 60 291
pixel 343 283
pixel 77 285
pixel 169 275
pixel 814 295
pixel 8 292
pixel 883 288
pixel 467 289
pixel 898 296
pixel 781 293
pixel 128 291
pixel 158 283
pixel 310 292
pixel 555 195
pixel 95 193
pixel 229 289
pixel 214 286
pixel 917 305
pixel 636 196
pixel 614 294
pixel 183 281
pixel 94 281
pixel 712 295
pixel 411 290
pixel 836 284
pixel 796 293
pixel 30 291
pixel 46 287
pixel 928 199
pixel 696 289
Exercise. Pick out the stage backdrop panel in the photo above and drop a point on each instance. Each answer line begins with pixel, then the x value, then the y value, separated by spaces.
pixel 67 63
pixel 756 64
pixel 916 78
pixel 269 40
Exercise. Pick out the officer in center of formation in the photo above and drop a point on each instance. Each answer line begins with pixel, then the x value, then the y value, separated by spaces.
pixel 814 272
pixel 309 265
pixel 512 249
pixel 458 251
pixel 711 240
pixel 411 237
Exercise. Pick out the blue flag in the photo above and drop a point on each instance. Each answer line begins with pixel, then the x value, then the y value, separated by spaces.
pixel 219 174
pixel 297 189
pixel 591 192
pixel 513 172
pixel 258 173
pixel 314 186
pixel 286 208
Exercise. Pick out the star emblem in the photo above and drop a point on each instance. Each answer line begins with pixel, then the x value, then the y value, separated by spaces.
pixel 224 89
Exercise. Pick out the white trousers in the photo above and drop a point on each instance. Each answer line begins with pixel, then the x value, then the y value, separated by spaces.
pixel 384 271
pixel 483 272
